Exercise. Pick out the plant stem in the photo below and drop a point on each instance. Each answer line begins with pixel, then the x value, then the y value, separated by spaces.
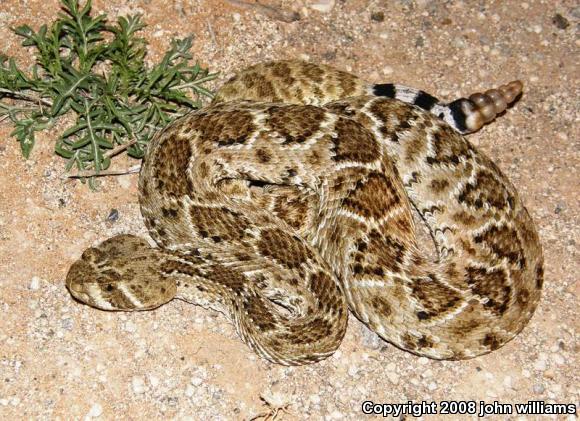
pixel 26 97
pixel 195 82
pixel 86 174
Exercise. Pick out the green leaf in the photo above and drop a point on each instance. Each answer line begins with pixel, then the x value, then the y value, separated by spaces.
pixel 96 72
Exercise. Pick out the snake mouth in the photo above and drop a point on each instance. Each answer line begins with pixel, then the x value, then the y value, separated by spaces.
pixel 78 291
pixel 79 295
pixel 76 281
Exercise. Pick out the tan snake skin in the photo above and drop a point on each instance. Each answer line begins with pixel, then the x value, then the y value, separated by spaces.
pixel 284 216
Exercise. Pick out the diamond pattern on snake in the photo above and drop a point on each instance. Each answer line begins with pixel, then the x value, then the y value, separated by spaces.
pixel 287 203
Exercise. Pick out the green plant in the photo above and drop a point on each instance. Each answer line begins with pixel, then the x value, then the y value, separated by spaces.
pixel 97 71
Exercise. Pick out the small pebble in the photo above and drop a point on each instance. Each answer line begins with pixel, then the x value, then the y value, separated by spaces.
pixel 352 371
pixel 540 365
pixel 369 338
pixel 113 215
pixel 138 385
pixel 323 6
pixel 130 327
pixel 236 17
pixel 508 382
pixel 124 181
pixel 196 381
pixel 153 381
pixel 95 411
pixel 189 391
pixel 34 283
pixel 560 21
pixel 378 16
pixel 336 415
pixel 538 388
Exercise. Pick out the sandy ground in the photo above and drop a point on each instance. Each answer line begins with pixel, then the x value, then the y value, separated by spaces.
pixel 63 360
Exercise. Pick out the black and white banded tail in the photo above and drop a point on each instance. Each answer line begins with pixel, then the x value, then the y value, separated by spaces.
pixel 466 115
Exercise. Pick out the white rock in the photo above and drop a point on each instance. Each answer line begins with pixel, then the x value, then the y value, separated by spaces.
pixel 540 365
pixel 352 370
pixel 508 381
pixel 393 377
pixel 130 327
pixel 315 399
pixel 558 359
pixel 138 385
pixel 236 17
pixel 336 415
pixel 153 381
pixel 323 6
pixel 196 381
pixel 189 391
pixel 124 181
pixel 95 411
pixel 34 283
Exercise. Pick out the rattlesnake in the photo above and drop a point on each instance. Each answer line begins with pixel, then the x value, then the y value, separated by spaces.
pixel 289 200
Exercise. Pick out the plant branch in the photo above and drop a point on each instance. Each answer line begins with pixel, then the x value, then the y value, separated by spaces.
pixel 26 97
pixel 88 174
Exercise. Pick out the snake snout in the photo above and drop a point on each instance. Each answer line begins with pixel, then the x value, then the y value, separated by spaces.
pixel 78 276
